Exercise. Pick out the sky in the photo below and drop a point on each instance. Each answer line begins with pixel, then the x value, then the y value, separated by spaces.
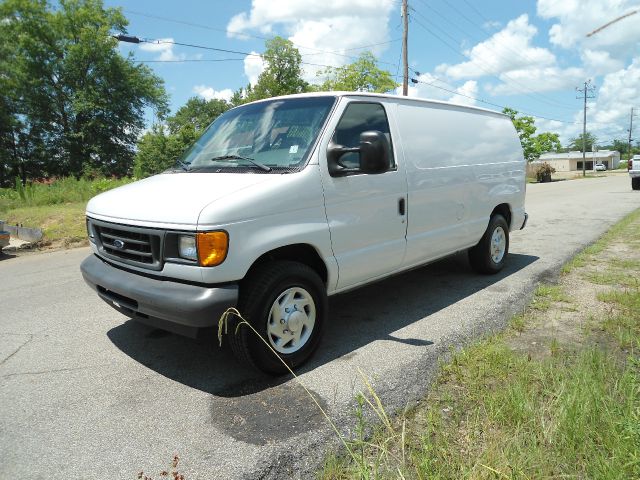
pixel 527 55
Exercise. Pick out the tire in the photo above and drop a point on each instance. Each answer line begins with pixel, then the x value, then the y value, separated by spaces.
pixel 489 255
pixel 635 183
pixel 267 297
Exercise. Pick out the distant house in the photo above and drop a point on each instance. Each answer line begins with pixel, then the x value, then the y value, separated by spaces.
pixel 571 161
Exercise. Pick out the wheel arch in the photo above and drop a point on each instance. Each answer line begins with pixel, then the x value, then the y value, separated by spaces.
pixel 298 252
pixel 503 209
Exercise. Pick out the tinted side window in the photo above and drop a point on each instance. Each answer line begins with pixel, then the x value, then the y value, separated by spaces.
pixel 358 118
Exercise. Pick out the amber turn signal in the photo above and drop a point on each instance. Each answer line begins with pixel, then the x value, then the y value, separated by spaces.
pixel 212 248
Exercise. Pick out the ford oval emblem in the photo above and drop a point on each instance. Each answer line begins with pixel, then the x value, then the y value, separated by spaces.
pixel 118 244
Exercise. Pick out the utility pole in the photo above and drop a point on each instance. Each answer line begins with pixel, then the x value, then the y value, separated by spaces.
pixel 630 130
pixel 405 55
pixel 588 92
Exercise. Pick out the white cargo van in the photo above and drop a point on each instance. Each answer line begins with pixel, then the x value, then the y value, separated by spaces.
pixel 285 201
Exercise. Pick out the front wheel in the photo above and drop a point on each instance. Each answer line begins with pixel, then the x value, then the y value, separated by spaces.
pixel 286 303
pixel 489 255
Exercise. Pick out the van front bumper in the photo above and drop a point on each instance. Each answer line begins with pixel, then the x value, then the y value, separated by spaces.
pixel 159 302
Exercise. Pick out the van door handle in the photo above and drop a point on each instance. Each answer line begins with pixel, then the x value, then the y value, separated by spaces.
pixel 401 206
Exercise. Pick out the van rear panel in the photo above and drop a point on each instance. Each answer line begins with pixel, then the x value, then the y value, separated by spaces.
pixel 461 164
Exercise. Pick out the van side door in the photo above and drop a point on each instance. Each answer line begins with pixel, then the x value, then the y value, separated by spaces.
pixel 366 212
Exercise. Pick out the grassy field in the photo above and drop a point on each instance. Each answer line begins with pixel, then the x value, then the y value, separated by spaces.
pixel 58 208
pixel 557 395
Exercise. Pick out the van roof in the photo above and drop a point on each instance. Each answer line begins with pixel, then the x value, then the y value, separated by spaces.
pixel 387 96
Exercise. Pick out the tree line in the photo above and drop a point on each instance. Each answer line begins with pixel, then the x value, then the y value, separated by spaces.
pixel 72 105
pixel 535 145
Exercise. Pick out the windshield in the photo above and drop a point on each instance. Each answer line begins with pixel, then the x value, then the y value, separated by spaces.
pixel 266 136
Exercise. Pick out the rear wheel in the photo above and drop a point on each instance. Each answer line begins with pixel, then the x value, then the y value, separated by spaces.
pixel 286 303
pixel 635 183
pixel 489 255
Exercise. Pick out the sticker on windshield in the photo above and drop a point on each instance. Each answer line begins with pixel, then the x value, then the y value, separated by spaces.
pixel 293 149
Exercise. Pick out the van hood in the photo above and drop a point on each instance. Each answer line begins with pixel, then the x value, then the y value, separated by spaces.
pixel 170 199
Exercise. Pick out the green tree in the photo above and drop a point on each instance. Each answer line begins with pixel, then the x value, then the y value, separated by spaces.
pixel 239 96
pixel 160 148
pixel 546 142
pixel 525 126
pixel 620 145
pixel 363 75
pixel 576 143
pixel 532 145
pixel 282 74
pixel 76 103
pixel 198 113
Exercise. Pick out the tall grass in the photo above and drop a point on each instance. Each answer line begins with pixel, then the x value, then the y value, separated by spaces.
pixel 63 190
pixel 569 411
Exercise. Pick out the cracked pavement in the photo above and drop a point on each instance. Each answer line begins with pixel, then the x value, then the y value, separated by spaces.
pixel 85 393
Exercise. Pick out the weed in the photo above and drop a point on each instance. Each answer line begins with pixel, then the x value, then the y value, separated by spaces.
pixel 630 225
pixel 622 278
pixel 223 324
pixel 60 191
pixel 172 474
pixel 546 294
pixel 57 207
pixel 518 322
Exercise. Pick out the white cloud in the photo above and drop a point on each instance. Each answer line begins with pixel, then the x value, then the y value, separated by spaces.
pixel 469 89
pixel 319 28
pixel 537 79
pixel 164 49
pixel 576 18
pixel 608 113
pixel 507 50
pixel 253 67
pixel 598 62
pixel 619 92
pixel 209 93
pixel 510 56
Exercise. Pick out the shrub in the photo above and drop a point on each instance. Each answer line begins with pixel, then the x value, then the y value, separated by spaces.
pixel 543 174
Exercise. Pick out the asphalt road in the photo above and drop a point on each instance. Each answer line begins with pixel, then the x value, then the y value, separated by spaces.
pixel 86 393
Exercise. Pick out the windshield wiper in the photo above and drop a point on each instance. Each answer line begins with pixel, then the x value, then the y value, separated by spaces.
pixel 259 165
pixel 184 165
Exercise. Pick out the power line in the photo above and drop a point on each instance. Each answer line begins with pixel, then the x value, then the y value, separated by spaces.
pixel 533 94
pixel 415 80
pixel 235 32
pixel 135 40
pixel 470 5
pixel 187 60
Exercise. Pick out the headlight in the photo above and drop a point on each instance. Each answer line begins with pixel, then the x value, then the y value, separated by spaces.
pixel 187 247
pixel 212 248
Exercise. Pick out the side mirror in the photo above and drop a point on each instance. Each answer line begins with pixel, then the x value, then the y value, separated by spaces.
pixel 374 155
pixel 374 152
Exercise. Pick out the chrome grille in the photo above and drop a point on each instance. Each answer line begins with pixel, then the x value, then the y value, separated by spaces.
pixel 132 245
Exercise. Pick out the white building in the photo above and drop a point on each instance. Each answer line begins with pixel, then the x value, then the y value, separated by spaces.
pixel 571 161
